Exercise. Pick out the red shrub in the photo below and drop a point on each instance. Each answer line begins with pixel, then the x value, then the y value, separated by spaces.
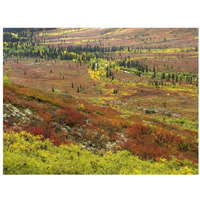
pixel 164 138
pixel 152 144
pixel 137 130
pixel 55 139
pixel 36 130
pixel 147 151
pixel 148 144
pixel 70 117
pixel 47 116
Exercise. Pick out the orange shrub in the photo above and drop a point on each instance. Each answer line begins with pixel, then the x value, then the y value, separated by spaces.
pixel 70 117
pixel 148 143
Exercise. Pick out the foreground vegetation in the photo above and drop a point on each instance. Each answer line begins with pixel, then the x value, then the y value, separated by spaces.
pixel 97 124
pixel 28 154
pixel 123 102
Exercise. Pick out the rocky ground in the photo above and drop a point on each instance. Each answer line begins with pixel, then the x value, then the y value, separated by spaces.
pixel 16 118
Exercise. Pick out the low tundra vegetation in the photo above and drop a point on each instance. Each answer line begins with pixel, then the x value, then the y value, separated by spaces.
pixel 100 101
pixel 25 153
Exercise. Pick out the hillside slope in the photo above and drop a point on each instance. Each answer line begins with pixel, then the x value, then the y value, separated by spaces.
pixel 126 93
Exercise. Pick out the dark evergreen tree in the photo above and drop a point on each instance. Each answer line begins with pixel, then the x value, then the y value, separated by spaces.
pixel 163 76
